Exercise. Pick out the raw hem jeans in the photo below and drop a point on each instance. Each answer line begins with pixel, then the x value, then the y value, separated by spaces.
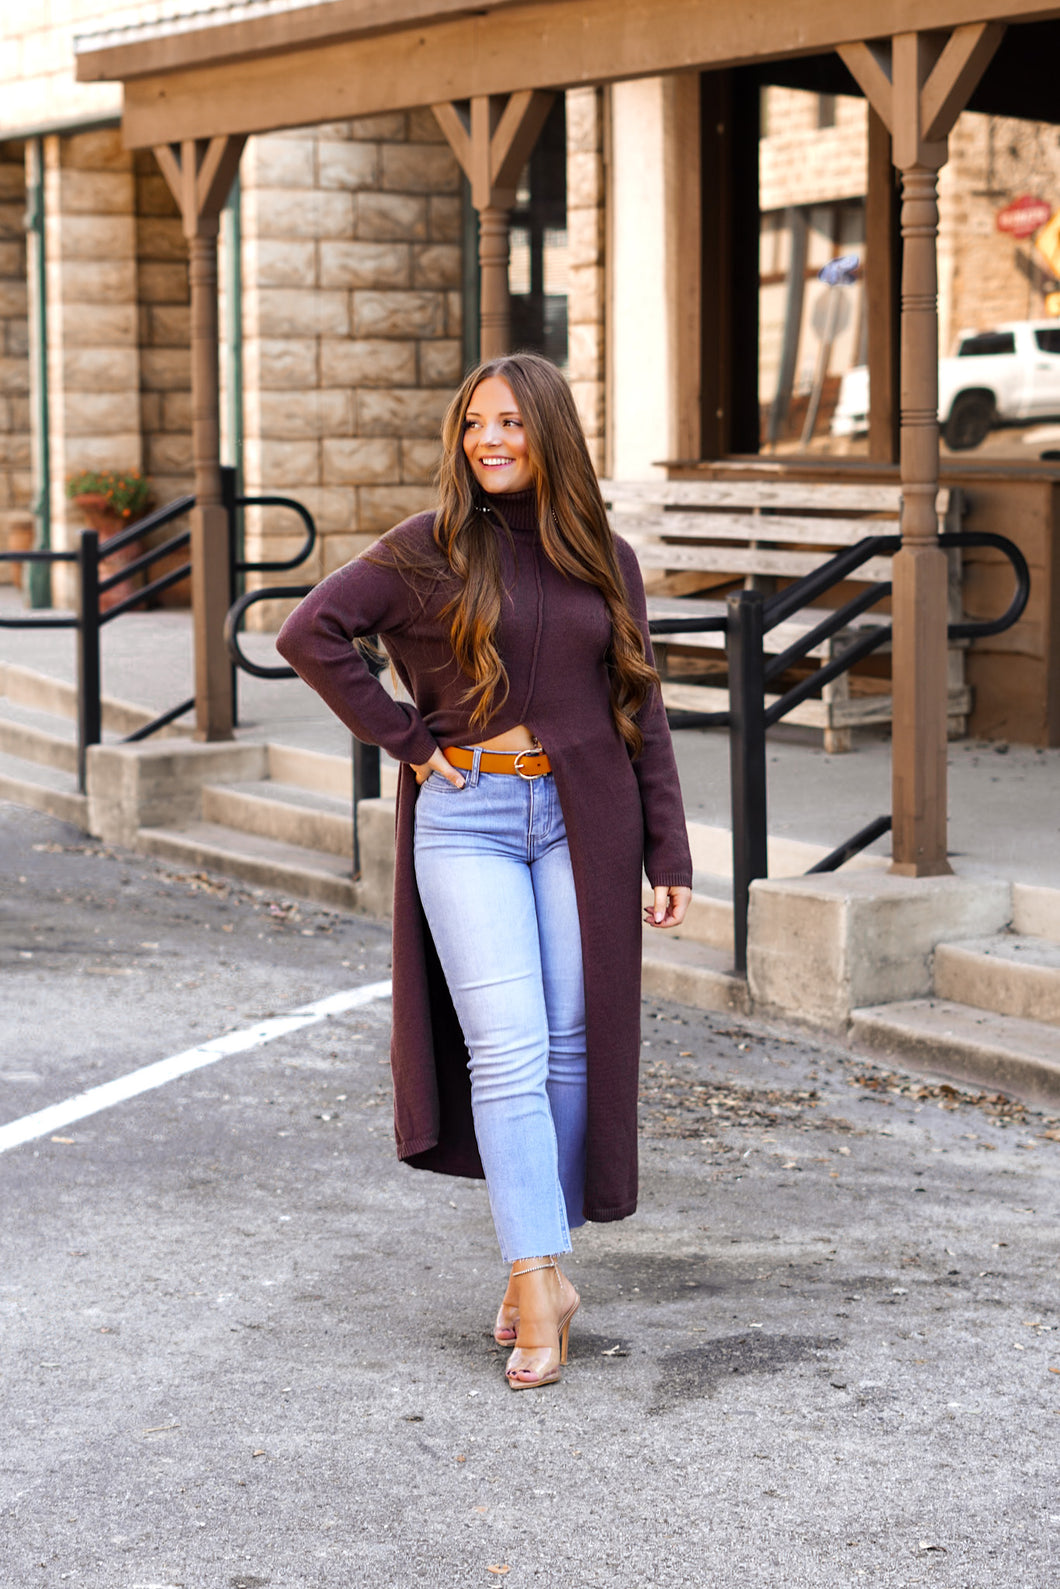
pixel 494 875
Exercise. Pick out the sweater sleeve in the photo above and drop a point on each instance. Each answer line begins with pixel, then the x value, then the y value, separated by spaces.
pixel 364 598
pixel 667 857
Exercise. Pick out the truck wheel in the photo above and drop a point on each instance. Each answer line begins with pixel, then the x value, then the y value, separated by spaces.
pixel 969 420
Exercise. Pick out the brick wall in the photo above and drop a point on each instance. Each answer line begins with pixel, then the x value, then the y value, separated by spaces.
pixel 802 163
pixel 93 353
pixel 15 468
pixel 585 234
pixel 164 330
pixel 983 275
pixel 352 325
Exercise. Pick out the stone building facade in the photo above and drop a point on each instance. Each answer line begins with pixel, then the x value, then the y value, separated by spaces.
pixel 16 473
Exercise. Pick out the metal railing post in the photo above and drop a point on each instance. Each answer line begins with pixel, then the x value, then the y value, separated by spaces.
pixel 747 757
pixel 366 786
pixel 229 490
pixel 89 707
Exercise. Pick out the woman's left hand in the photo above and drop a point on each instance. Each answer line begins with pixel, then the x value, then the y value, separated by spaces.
pixel 669 907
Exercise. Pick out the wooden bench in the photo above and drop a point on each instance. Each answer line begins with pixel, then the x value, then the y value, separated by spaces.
pixel 699 540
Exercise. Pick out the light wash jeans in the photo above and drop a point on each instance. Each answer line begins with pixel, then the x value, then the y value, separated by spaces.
pixel 494 876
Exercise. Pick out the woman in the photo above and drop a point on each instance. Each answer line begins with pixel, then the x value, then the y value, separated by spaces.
pixel 537 780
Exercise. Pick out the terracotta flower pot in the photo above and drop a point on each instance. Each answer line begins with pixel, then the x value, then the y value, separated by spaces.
pixel 20 536
pixel 107 522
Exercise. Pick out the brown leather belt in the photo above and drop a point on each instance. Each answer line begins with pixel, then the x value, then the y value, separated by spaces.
pixel 527 763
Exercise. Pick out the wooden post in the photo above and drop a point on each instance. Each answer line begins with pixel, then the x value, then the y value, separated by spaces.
pixel 199 173
pixel 493 140
pixel 918 84
pixel 882 303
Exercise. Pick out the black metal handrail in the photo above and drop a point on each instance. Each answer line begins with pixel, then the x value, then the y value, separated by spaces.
pixel 233 622
pixel 90 619
pixel 748 619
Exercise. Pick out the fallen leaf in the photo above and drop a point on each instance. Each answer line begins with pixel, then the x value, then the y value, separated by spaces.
pixel 1054 1370
pixel 257 1453
pixel 500 1568
pixel 461 1457
pixel 1050 1136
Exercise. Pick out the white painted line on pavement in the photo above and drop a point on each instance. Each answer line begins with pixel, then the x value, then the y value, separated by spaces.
pixel 30 1127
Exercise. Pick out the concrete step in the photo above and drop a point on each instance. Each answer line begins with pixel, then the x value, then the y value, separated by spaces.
pixel 1036 911
pixel 37 736
pixel 40 692
pixel 1010 974
pixel 285 812
pixel 712 853
pixel 691 973
pixel 43 788
pixel 288 868
pixel 709 918
pixel 323 773
pixel 940 1038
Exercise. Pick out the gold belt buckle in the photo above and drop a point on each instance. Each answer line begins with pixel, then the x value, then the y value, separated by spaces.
pixel 528 777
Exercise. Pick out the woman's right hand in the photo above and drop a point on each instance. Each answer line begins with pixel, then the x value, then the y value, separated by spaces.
pixel 438 763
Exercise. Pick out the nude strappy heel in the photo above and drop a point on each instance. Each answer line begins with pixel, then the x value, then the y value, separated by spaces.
pixel 554 1357
pixel 504 1334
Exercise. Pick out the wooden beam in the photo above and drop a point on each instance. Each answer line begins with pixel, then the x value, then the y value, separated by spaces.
pixel 683 177
pixel 501 48
pixel 200 174
pixel 968 52
pixel 493 141
pixel 882 305
pixel 871 70
pixel 930 79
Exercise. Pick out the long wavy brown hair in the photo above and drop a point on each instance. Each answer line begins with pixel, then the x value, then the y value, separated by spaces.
pixel 575 536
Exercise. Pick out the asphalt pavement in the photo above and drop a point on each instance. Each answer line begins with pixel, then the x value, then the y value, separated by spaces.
pixel 244 1348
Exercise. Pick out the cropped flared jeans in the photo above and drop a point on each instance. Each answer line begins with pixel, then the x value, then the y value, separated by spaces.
pixel 494 875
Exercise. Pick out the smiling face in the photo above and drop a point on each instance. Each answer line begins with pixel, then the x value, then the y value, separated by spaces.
pixel 494 439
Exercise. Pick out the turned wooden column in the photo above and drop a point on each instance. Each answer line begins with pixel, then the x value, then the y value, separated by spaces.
pixel 200 173
pixel 920 571
pixel 493 138
pixel 495 304
pixel 918 83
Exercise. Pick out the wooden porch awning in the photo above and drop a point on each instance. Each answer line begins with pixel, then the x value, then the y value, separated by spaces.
pixel 310 63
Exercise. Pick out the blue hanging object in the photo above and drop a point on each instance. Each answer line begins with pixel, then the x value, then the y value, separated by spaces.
pixel 840 272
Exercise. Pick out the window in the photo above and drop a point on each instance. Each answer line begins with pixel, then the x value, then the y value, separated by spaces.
pixel 1049 339
pixel 538 268
pixel 989 342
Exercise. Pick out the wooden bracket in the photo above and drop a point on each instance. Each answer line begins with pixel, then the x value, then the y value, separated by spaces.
pixel 199 173
pixel 918 84
pixel 493 141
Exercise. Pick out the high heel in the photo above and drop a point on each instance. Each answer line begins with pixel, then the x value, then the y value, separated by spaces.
pixel 547 1372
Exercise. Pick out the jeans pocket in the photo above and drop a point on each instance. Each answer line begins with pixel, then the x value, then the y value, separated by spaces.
pixel 437 781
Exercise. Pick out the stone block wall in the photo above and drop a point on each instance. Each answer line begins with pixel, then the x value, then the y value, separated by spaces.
pixel 585 235
pixel 93 323
pixel 803 163
pixel 352 327
pixel 16 487
pixel 984 275
pixel 163 313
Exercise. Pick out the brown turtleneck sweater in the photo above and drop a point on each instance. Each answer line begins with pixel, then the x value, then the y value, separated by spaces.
pixel 621 816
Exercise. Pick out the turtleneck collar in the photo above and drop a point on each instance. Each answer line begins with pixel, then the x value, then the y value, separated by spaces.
pixel 519 508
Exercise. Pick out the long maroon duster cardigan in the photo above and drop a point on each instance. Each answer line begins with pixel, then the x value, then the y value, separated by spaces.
pixel 620 814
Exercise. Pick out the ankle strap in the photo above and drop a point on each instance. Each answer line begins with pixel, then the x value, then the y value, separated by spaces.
pixel 517 1274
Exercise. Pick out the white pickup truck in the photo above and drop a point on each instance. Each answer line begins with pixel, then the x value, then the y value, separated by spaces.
pixel 997 377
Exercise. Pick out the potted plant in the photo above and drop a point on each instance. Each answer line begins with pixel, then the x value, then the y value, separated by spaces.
pixel 110 502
